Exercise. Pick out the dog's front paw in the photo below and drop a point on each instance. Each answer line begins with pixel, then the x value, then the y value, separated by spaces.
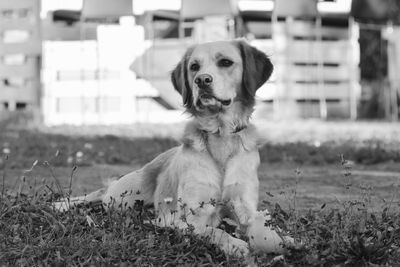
pixel 265 238
pixel 236 247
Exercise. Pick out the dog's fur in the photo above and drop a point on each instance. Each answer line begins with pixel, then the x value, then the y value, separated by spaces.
pixel 218 159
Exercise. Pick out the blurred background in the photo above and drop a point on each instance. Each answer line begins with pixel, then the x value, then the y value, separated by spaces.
pixel 68 68
pixel 85 97
pixel 102 62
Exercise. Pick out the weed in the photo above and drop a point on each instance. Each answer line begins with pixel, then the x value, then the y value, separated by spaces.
pixel 346 233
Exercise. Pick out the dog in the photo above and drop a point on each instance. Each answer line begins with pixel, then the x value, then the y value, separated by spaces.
pixel 218 159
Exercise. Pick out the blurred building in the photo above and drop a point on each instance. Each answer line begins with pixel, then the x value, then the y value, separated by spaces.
pixel 313 46
pixel 86 76
pixel 20 54
pixel 108 62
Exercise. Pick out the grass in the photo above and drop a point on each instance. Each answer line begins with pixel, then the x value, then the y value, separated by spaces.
pixel 356 224
pixel 33 234
pixel 346 236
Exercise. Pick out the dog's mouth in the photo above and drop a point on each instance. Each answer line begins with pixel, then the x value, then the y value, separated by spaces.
pixel 207 100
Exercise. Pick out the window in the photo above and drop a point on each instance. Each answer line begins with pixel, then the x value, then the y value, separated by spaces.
pixel 21 105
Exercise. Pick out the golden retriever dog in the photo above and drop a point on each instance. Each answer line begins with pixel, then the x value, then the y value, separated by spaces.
pixel 212 175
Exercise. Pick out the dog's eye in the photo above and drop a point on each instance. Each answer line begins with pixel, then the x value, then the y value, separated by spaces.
pixel 194 67
pixel 225 63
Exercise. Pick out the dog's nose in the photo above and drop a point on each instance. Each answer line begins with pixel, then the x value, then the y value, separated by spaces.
pixel 203 80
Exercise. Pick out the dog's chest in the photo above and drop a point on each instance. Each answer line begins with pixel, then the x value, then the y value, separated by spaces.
pixel 222 149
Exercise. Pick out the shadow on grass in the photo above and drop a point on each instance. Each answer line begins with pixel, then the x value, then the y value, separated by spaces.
pixel 25 147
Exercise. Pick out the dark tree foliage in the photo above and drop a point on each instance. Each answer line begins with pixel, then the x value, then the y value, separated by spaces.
pixel 373 56
pixel 373 62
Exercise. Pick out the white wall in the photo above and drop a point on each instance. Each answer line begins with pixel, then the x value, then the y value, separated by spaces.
pixel 89 82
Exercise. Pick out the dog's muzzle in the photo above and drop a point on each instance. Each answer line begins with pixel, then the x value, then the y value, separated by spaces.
pixel 208 100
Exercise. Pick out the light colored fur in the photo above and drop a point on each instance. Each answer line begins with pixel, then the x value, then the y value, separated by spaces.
pixel 217 162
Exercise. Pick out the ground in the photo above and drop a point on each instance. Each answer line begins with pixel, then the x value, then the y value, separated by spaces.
pixel 314 185
pixel 309 171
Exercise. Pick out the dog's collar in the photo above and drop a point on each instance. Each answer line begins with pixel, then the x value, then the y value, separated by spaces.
pixel 236 130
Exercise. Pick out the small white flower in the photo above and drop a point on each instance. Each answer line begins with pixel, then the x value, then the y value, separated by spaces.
pixel 317 143
pixel 168 200
pixel 90 221
pixel 88 146
pixel 79 154
pixel 6 150
pixel 70 160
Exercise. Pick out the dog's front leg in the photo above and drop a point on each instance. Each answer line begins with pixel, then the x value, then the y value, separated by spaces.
pixel 198 193
pixel 199 211
pixel 241 192
pixel 240 187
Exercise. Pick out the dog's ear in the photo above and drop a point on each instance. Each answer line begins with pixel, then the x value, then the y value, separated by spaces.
pixel 257 68
pixel 179 78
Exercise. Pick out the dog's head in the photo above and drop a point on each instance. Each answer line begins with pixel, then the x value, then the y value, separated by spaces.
pixel 211 77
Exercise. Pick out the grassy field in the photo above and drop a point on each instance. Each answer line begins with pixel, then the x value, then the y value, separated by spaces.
pixel 333 186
